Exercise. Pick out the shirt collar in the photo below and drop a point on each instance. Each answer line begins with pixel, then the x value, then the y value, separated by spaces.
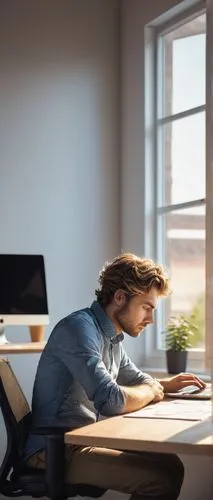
pixel 106 324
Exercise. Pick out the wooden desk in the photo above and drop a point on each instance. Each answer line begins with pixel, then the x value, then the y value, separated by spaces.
pixel 27 347
pixel 157 435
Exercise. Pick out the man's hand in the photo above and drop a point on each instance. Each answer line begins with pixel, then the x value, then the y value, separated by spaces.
pixel 138 396
pixel 158 390
pixel 174 384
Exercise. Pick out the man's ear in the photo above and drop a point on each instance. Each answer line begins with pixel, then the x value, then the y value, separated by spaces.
pixel 119 298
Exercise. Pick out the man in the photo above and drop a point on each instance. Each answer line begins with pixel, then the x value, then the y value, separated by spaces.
pixel 84 373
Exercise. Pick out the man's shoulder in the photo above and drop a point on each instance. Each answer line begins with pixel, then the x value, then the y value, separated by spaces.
pixel 81 321
pixel 81 316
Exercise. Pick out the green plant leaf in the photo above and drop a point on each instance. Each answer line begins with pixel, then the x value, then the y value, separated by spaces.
pixel 178 332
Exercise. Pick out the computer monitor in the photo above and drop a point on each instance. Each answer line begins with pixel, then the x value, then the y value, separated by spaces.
pixel 23 293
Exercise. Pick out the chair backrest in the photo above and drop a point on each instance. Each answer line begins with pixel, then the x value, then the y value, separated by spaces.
pixel 17 419
pixel 17 416
pixel 13 391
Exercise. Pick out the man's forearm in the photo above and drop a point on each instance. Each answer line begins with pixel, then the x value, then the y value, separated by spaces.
pixel 137 397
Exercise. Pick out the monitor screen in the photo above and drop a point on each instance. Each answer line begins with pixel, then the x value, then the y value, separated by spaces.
pixel 23 294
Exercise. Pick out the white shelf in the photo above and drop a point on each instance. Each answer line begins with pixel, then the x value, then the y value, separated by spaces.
pixel 27 347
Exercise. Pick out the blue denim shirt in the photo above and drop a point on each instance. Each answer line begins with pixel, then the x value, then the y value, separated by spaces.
pixel 80 373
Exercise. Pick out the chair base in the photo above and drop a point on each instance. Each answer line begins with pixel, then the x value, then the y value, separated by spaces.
pixel 31 482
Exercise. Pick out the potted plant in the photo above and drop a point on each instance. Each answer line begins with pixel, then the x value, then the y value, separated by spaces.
pixel 177 339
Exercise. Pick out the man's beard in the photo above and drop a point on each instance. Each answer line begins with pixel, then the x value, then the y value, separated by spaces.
pixel 125 325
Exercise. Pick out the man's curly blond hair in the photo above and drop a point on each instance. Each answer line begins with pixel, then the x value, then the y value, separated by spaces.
pixel 132 274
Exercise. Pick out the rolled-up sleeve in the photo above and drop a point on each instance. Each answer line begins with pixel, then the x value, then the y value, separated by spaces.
pixel 81 354
pixel 129 374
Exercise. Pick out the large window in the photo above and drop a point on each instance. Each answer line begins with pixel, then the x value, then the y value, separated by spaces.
pixel 180 168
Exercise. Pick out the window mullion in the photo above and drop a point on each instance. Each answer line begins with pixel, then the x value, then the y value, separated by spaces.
pixel 182 114
pixel 180 206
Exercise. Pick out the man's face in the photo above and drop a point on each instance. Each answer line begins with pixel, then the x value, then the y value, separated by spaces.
pixel 133 315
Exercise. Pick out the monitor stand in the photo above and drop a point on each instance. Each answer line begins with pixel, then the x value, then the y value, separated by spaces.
pixel 3 338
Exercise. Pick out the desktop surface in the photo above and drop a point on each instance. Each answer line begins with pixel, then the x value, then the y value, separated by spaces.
pixel 147 434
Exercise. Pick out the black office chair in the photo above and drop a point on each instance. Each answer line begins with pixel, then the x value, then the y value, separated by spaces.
pixel 16 479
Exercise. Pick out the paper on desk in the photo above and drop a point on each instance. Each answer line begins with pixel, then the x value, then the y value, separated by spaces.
pixel 176 409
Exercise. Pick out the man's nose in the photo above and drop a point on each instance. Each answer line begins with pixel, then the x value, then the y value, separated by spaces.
pixel 150 318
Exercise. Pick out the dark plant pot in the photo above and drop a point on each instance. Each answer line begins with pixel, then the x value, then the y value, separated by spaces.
pixel 176 361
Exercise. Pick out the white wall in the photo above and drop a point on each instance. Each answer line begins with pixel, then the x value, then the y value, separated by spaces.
pixel 59 148
pixel 136 14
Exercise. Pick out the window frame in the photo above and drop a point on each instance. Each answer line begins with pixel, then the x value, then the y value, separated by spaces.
pixel 154 356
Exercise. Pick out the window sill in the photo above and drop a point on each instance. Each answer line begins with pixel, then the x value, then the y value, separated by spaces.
pixel 161 373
